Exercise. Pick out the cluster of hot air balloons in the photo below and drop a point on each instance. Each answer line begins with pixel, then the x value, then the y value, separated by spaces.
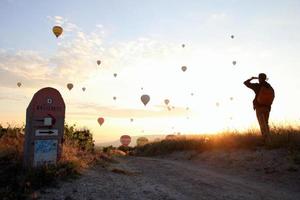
pixel 57 31
pixel 145 98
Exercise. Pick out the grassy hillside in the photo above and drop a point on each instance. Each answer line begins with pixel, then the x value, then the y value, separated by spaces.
pixel 281 137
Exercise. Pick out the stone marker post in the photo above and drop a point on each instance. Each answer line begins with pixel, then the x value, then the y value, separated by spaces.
pixel 44 129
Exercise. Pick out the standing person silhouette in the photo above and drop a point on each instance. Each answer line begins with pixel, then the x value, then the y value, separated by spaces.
pixel 264 96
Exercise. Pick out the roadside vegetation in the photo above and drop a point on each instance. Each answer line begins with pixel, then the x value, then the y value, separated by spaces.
pixel 18 183
pixel 79 153
pixel 281 137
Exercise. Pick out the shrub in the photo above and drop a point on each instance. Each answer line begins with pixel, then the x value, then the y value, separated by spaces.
pixel 80 138
pixel 17 183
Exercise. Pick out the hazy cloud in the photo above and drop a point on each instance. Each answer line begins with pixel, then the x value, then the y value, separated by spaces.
pixel 92 109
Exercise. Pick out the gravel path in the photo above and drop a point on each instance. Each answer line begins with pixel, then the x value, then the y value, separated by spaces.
pixel 155 178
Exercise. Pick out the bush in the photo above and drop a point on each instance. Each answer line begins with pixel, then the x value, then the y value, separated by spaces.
pixel 17 183
pixel 80 138
pixel 124 148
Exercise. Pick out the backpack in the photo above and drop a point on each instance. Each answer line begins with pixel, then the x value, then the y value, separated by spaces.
pixel 265 96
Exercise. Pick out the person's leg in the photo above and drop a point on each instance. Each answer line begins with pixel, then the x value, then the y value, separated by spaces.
pixel 266 114
pixel 262 121
pixel 262 115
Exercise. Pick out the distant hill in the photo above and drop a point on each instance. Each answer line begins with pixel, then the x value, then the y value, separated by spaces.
pixel 117 143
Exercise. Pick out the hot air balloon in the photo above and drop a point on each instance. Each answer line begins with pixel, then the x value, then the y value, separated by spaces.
pixel 125 140
pixel 98 62
pixel 131 119
pixel 142 88
pixel 234 62
pixel 100 120
pixel 57 30
pixel 183 68
pixel 115 74
pixel 145 99
pixel 141 141
pixel 169 108
pixel 19 84
pixel 83 89
pixel 167 101
pixel 183 45
pixel 231 98
pixel 187 108
pixel 217 104
pixel 70 86
pixel 173 107
pixel 232 36
pixel 114 98
pixel 170 137
pixel 192 94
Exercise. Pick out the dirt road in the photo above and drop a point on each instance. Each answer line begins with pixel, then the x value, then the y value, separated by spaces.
pixel 156 178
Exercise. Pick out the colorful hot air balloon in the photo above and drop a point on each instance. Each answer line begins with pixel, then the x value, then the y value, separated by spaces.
pixel 183 68
pixel 57 30
pixel 131 119
pixel 217 104
pixel 167 101
pixel 141 141
pixel 142 88
pixel 145 99
pixel 187 108
pixel 232 36
pixel 231 98
pixel 98 62
pixel 125 140
pixel 100 120
pixel 115 75
pixel 192 94
pixel 83 89
pixel 234 62
pixel 183 45
pixel 70 86
pixel 19 84
pixel 114 98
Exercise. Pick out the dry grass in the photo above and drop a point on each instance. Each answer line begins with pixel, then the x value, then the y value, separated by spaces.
pixel 281 137
pixel 18 183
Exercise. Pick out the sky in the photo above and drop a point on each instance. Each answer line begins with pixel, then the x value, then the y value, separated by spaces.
pixel 141 41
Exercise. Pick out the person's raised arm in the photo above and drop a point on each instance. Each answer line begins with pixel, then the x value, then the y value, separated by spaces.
pixel 248 82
